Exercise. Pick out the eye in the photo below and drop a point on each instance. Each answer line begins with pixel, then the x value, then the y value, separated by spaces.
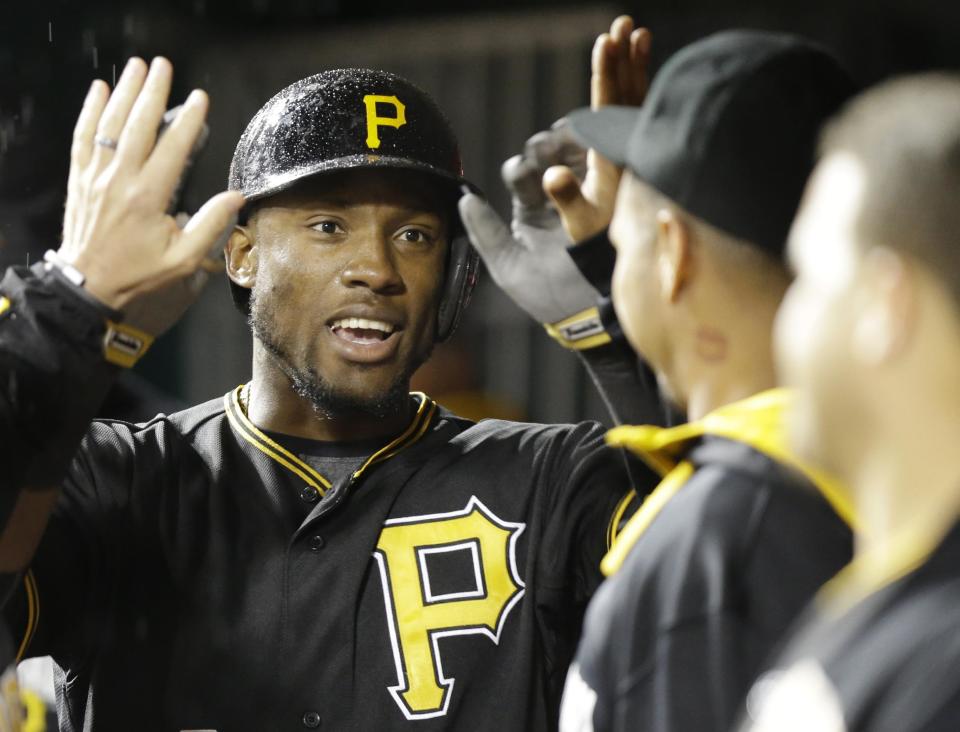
pixel 327 227
pixel 416 236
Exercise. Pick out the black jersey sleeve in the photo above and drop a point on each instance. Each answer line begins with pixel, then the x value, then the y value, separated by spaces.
pixel 595 258
pixel 593 493
pixel 627 385
pixel 53 375
pixel 64 605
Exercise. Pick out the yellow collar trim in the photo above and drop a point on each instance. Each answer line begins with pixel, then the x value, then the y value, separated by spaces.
pixel 638 523
pixel 757 421
pixel 249 431
pixel 418 427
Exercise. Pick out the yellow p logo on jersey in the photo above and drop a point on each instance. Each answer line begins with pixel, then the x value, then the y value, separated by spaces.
pixel 422 609
pixel 375 121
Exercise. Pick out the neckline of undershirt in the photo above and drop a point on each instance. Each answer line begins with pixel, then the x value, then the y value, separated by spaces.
pixel 328 449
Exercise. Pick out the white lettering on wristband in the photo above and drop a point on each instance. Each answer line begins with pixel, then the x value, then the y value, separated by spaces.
pixel 580 331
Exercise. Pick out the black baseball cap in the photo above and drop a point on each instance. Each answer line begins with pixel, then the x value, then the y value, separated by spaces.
pixel 728 130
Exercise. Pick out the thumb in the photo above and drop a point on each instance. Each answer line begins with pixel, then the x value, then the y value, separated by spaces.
pixel 576 212
pixel 207 225
pixel 487 232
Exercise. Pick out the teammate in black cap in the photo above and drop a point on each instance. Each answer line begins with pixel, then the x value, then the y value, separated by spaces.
pixel 707 575
pixel 318 548
pixel 719 560
pixel 870 335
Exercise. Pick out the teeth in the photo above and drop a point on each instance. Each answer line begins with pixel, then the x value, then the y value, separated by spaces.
pixel 363 323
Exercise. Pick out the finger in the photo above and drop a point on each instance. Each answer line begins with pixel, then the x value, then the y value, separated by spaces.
pixel 81 150
pixel 487 231
pixel 556 146
pixel 86 127
pixel 523 179
pixel 571 152
pixel 602 82
pixel 640 44
pixel 620 33
pixel 576 212
pixel 205 227
pixel 563 188
pixel 165 165
pixel 140 132
pixel 117 110
pixel 541 146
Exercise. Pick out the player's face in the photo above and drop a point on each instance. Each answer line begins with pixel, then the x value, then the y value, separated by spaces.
pixel 347 286
pixel 815 327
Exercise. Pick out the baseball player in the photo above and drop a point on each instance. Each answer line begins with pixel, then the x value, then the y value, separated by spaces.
pixel 874 311
pixel 317 548
pixel 706 576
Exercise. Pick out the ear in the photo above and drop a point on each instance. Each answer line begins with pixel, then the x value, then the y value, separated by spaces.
pixel 240 254
pixel 673 254
pixel 888 315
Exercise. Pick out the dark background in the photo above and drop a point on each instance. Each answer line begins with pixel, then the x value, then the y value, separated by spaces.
pixel 501 70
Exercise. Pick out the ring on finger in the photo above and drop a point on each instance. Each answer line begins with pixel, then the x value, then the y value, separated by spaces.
pixel 105 141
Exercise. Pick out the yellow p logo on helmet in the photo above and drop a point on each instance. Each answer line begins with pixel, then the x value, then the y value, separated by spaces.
pixel 375 121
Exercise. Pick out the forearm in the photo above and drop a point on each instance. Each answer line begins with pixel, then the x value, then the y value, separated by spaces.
pixel 627 386
pixel 53 377
pixel 595 258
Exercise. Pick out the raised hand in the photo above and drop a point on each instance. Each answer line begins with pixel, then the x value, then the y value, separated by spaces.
pixel 618 76
pixel 117 231
pixel 529 260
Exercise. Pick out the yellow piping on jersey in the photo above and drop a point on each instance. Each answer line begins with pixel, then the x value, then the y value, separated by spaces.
pixel 419 425
pixel 612 528
pixel 33 613
pixel 248 431
pixel 757 421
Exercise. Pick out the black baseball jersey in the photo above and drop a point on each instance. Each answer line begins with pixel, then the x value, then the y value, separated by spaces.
pixel 706 576
pixel 889 663
pixel 198 575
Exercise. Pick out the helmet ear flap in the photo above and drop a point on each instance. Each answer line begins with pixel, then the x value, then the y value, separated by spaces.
pixel 463 269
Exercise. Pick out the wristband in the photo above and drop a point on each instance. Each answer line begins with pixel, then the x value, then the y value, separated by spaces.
pixel 123 345
pixel 580 331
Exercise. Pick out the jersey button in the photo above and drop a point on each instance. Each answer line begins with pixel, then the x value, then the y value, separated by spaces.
pixel 309 494
pixel 311 720
pixel 316 543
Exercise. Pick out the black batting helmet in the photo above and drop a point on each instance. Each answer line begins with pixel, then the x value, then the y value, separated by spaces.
pixel 355 118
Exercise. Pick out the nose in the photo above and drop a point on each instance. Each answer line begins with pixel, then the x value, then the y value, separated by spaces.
pixel 372 265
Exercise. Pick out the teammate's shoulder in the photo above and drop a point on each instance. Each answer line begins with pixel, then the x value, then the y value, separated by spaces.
pixel 737 475
pixel 711 514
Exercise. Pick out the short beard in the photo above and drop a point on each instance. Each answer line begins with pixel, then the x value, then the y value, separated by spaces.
pixel 327 401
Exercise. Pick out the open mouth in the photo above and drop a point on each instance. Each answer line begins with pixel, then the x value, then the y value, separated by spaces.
pixel 362 331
